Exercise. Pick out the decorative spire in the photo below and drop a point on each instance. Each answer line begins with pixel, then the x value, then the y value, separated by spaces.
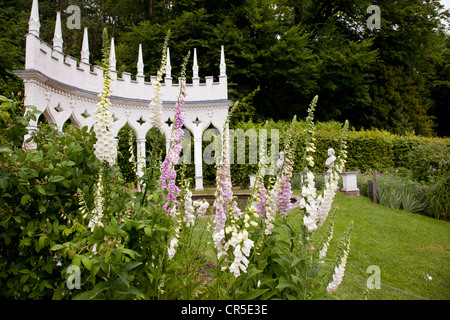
pixel 168 66
pixel 140 63
pixel 112 56
pixel 33 24
pixel 85 47
pixel 195 66
pixel 57 38
pixel 223 66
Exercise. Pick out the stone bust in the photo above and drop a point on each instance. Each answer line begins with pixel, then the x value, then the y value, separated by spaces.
pixel 331 158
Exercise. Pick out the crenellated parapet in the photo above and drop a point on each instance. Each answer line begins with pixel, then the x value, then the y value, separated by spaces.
pixel 51 61
pixel 63 87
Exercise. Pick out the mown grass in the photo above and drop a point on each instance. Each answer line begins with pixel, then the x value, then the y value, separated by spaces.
pixel 405 246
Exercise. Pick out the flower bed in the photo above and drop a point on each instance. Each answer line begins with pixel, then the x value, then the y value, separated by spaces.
pixel 99 240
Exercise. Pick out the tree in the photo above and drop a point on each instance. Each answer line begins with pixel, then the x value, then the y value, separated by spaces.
pixel 439 87
pixel 395 78
pixel 11 47
pixel 408 52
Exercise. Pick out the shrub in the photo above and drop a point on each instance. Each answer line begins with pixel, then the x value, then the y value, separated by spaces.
pixel 426 155
pixel 412 202
pixel 38 192
pixel 369 150
pixel 125 147
pixel 13 121
pixel 439 194
pixel 402 194
pixel 401 150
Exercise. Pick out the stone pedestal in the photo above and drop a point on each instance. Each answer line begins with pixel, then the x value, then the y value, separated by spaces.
pixel 252 180
pixel 349 183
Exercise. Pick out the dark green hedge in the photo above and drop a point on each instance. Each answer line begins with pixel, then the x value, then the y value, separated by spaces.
pixel 368 149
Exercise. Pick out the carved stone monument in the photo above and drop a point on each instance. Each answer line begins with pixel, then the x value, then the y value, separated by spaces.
pixel 349 181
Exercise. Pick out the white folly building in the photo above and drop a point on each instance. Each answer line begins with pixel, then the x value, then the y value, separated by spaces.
pixel 63 87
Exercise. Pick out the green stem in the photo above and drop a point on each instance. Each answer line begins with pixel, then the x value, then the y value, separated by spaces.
pixel 292 233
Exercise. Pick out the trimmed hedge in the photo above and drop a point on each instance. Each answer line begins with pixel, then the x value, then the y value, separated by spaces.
pixel 368 149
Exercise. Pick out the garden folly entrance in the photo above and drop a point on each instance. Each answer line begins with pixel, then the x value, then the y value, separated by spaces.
pixel 64 88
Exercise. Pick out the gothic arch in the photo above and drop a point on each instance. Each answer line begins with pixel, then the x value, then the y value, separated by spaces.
pixel 54 79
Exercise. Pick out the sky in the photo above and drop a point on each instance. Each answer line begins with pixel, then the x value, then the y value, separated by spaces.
pixel 446 3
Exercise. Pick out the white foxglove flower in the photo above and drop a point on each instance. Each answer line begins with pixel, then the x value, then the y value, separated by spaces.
pixel 339 271
pixel 105 146
pixel 189 208
pixel 204 205
pixel 323 252
pixel 310 223
pixel 240 262
pixel 172 249
pixel 248 245
pixel 155 105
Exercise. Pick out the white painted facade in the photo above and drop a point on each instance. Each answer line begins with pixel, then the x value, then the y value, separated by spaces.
pixel 63 87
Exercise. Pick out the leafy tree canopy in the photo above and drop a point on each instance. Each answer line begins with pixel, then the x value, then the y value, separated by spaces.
pixel 394 78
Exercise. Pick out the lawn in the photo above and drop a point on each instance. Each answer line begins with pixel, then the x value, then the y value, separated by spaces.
pixel 405 246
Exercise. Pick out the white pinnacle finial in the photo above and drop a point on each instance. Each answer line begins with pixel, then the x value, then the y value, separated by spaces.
pixel 195 66
pixel 140 63
pixel 33 24
pixel 57 38
pixel 85 47
pixel 223 67
pixel 168 66
pixel 112 56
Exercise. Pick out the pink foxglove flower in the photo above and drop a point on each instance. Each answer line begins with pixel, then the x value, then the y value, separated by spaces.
pixel 155 105
pixel 285 199
pixel 168 173
pixel 261 196
pixel 229 231
pixel 224 193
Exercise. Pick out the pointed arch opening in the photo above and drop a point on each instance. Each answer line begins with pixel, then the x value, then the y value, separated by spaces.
pixel 211 146
pixel 155 149
pixel 127 155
